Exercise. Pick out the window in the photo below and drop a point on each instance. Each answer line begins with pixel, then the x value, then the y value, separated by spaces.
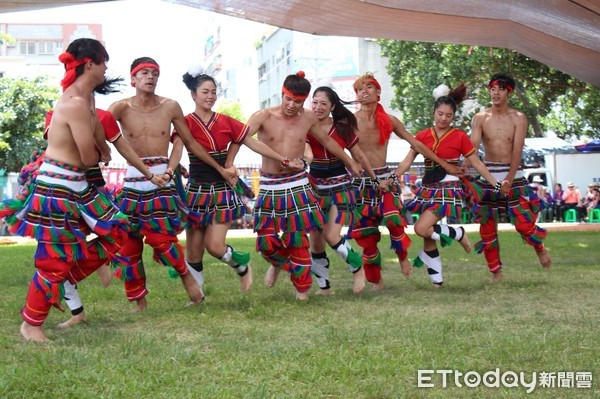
pixel 39 48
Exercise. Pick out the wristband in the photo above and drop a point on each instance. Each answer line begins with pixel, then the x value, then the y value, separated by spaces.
pixel 285 163
pixel 151 177
pixel 305 162
pixel 375 182
pixel 170 175
pixel 497 186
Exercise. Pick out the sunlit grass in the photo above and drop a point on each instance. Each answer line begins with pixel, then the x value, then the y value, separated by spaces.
pixel 267 345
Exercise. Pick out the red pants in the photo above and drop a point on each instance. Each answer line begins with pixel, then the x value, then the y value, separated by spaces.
pixel 371 255
pixel 294 259
pixel 490 246
pixel 366 234
pixel 167 251
pixel 46 285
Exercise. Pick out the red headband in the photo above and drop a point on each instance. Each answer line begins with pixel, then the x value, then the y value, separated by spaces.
pixel 292 95
pixel 500 84
pixel 70 64
pixel 370 79
pixel 143 65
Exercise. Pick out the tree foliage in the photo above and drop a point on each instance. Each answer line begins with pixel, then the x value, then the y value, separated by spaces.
pixel 23 106
pixel 552 100
pixel 231 108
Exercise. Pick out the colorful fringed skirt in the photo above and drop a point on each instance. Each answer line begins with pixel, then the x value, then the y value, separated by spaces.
pixel 490 204
pixel 287 203
pixel 445 198
pixel 214 202
pixel 338 191
pixel 59 209
pixel 150 208
pixel 372 203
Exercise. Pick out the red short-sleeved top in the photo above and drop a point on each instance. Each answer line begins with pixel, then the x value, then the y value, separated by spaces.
pixel 218 133
pixel 320 152
pixel 451 145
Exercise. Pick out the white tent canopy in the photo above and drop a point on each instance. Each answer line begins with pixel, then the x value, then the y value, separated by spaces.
pixel 564 34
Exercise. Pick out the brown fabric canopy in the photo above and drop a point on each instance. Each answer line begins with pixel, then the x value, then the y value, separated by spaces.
pixel 564 34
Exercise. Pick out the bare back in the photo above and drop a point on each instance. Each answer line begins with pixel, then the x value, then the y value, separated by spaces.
pixel 71 131
pixel 147 124
pixel 502 134
pixel 285 135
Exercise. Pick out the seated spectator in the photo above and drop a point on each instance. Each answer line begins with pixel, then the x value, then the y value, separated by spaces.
pixel 591 200
pixel 573 200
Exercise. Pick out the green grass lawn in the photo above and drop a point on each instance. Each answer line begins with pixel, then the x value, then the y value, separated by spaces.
pixel 265 344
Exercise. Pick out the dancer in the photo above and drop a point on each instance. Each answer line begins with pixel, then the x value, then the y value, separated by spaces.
pixel 57 206
pixel 208 193
pixel 286 202
pixel 502 129
pixel 85 267
pixel 157 215
pixel 440 194
pixel 375 127
pixel 334 188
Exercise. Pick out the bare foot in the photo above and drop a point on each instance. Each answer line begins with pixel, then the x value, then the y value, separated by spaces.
pixel 80 318
pixel 497 277
pixel 302 296
pixel 407 268
pixel 465 242
pixel 246 280
pixel 544 257
pixel 141 305
pixel 192 288
pixel 105 275
pixel 359 281
pixel 327 291
pixel 378 286
pixel 271 276
pixel 32 333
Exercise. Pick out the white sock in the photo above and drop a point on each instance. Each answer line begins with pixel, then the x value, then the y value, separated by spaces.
pixel 72 296
pixel 198 275
pixel 228 259
pixel 455 233
pixel 319 267
pixel 434 265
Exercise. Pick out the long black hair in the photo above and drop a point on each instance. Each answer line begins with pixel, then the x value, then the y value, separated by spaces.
pixel 343 119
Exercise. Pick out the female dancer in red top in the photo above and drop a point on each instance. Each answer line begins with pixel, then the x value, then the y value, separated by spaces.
pixel 440 194
pixel 334 187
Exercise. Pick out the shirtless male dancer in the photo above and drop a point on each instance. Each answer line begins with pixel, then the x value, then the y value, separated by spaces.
pixel 375 127
pixel 58 207
pixel 286 202
pixel 502 130
pixel 146 120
